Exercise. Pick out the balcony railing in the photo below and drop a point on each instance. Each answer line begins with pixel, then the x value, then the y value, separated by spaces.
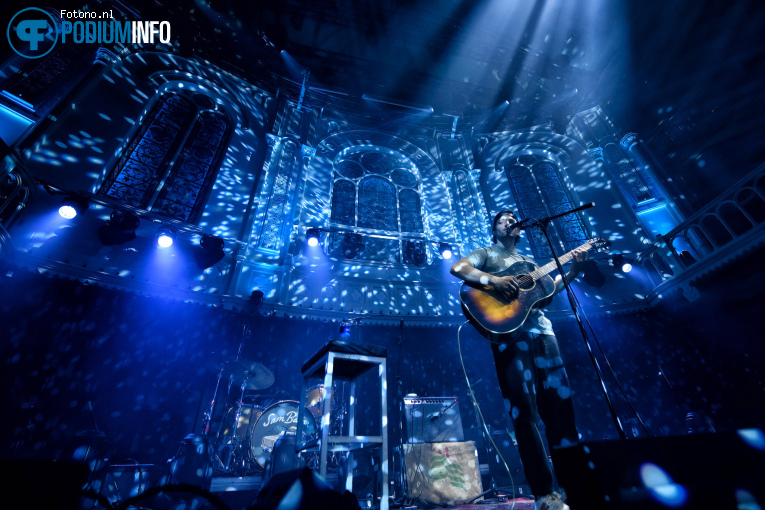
pixel 711 237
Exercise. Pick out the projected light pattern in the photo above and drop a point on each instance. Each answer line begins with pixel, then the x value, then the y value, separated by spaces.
pixel 277 207
pixel 135 177
pixel 402 193
pixel 472 219
pixel 75 158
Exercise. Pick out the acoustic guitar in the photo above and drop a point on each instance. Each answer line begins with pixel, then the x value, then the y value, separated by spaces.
pixel 490 312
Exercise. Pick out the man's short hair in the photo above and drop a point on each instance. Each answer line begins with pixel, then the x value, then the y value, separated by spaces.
pixel 496 219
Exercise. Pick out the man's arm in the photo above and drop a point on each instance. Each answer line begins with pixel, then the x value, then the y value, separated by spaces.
pixel 580 256
pixel 465 270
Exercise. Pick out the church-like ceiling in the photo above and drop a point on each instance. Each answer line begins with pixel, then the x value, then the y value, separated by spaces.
pixel 646 61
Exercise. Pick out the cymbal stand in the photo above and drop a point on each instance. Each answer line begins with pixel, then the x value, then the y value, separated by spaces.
pixel 237 458
pixel 207 417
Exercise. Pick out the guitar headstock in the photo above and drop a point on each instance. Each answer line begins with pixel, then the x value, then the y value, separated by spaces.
pixel 599 244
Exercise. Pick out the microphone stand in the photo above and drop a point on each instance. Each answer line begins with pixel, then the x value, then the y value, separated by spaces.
pixel 542 225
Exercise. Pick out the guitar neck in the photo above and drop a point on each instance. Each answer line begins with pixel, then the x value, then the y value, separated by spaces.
pixel 551 266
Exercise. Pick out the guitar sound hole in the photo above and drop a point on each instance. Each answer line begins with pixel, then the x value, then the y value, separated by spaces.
pixel 525 281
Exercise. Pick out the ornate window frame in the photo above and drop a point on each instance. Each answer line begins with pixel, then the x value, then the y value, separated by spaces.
pixel 539 190
pixel 172 159
pixel 384 221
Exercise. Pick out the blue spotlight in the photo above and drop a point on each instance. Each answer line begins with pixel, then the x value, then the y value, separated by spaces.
pixel 623 263
pixel 72 206
pixel 165 237
pixel 446 250
pixel 345 329
pixel 312 236
pixel 67 211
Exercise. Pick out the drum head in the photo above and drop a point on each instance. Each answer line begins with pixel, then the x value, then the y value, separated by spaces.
pixel 314 396
pixel 280 418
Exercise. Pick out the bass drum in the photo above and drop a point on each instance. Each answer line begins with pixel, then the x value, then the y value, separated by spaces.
pixel 248 414
pixel 276 420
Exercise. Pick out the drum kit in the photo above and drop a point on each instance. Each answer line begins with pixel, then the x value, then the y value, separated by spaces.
pixel 247 432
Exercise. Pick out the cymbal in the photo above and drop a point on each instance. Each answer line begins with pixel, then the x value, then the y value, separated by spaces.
pixel 256 376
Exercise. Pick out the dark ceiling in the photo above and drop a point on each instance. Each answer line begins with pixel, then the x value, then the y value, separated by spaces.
pixel 553 57
pixel 686 75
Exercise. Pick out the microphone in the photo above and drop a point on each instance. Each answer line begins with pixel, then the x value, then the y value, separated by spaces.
pixel 525 224
pixel 521 225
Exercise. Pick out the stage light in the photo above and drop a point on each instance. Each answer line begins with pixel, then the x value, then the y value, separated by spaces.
pixel 119 229
pixel 345 329
pixel 256 302
pixel 72 206
pixel 352 245
pixel 165 237
pixel 623 263
pixel 67 211
pixel 312 235
pixel 211 251
pixel 446 250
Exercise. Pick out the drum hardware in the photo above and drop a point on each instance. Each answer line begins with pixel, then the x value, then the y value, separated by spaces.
pixel 207 417
pixel 232 452
pixel 275 421
pixel 255 375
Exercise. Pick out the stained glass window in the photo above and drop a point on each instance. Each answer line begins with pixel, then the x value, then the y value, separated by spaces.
pixel 375 190
pixel 539 192
pixel 144 164
pixel 377 204
pixel 344 202
pixel 188 185
pixel 409 204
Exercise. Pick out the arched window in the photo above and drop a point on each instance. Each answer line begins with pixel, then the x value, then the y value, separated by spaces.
pixel 377 192
pixel 171 162
pixel 378 207
pixel 471 223
pixel 539 191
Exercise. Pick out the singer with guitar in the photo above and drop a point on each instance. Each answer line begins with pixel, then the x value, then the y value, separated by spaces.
pixel 529 366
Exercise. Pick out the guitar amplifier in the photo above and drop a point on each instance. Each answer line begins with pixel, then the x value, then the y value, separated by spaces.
pixel 433 420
